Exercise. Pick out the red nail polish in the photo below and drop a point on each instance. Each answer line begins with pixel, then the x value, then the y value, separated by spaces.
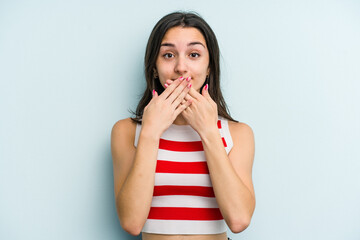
pixel 188 79
pixel 153 91
pixel 166 85
pixel 206 86
pixel 189 85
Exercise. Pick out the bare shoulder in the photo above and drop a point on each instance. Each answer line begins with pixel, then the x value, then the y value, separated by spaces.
pixel 241 131
pixel 124 129
pixel 122 139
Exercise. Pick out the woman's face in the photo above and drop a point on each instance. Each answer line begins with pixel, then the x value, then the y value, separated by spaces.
pixel 183 52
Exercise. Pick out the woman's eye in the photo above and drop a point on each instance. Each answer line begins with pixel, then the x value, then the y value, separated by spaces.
pixel 194 55
pixel 168 55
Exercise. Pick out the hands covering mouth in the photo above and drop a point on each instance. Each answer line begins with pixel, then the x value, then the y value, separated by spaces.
pixel 169 81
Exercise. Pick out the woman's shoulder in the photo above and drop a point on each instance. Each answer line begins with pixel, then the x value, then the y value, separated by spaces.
pixel 124 129
pixel 243 150
pixel 124 123
pixel 241 130
pixel 239 125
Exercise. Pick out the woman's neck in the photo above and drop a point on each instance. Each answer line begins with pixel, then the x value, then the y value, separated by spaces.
pixel 180 120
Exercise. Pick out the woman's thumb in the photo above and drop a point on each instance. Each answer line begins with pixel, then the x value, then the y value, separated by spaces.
pixel 154 93
pixel 205 91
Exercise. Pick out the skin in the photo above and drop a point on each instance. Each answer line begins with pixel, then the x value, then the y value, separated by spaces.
pixel 181 103
pixel 183 53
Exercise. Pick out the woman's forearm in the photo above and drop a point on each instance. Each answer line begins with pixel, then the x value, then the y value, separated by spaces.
pixel 134 198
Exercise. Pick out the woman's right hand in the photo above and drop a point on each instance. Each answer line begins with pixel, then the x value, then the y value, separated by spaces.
pixel 163 109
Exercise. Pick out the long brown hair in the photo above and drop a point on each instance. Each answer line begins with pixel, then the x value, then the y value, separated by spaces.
pixel 184 19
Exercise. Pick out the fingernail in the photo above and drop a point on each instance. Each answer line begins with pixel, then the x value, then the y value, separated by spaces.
pixel 153 91
pixel 206 86
pixel 166 85
pixel 181 78
pixel 189 85
pixel 188 79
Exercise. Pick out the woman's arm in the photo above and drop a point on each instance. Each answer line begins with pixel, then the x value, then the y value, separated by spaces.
pixel 134 171
pixel 231 175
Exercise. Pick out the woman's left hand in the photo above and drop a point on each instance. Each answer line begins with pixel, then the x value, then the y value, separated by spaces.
pixel 202 114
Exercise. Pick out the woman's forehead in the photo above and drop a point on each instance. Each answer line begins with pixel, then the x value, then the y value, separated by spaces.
pixel 183 34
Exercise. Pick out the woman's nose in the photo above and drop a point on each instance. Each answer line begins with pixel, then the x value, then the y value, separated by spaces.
pixel 181 65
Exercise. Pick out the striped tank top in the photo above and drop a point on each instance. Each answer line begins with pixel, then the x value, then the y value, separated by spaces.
pixel 183 200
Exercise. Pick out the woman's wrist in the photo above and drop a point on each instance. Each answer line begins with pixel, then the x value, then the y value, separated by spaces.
pixel 209 133
pixel 149 133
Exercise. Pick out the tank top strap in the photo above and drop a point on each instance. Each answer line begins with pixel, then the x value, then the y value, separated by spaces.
pixel 225 133
pixel 137 134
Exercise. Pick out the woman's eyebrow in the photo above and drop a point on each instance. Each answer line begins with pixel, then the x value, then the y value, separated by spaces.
pixel 195 43
pixel 165 44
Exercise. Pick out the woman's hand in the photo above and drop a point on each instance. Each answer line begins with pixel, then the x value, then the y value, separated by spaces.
pixel 202 115
pixel 163 109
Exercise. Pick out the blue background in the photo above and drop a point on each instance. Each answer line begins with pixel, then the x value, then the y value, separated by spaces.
pixel 70 69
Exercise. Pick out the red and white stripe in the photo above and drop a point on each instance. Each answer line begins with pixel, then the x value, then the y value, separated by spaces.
pixel 183 200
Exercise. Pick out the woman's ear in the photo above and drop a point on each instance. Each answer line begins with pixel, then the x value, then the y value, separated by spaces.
pixel 155 74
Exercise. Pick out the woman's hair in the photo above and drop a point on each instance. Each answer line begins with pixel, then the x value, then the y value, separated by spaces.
pixel 183 19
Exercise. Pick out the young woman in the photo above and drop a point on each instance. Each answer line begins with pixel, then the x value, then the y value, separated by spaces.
pixel 183 166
